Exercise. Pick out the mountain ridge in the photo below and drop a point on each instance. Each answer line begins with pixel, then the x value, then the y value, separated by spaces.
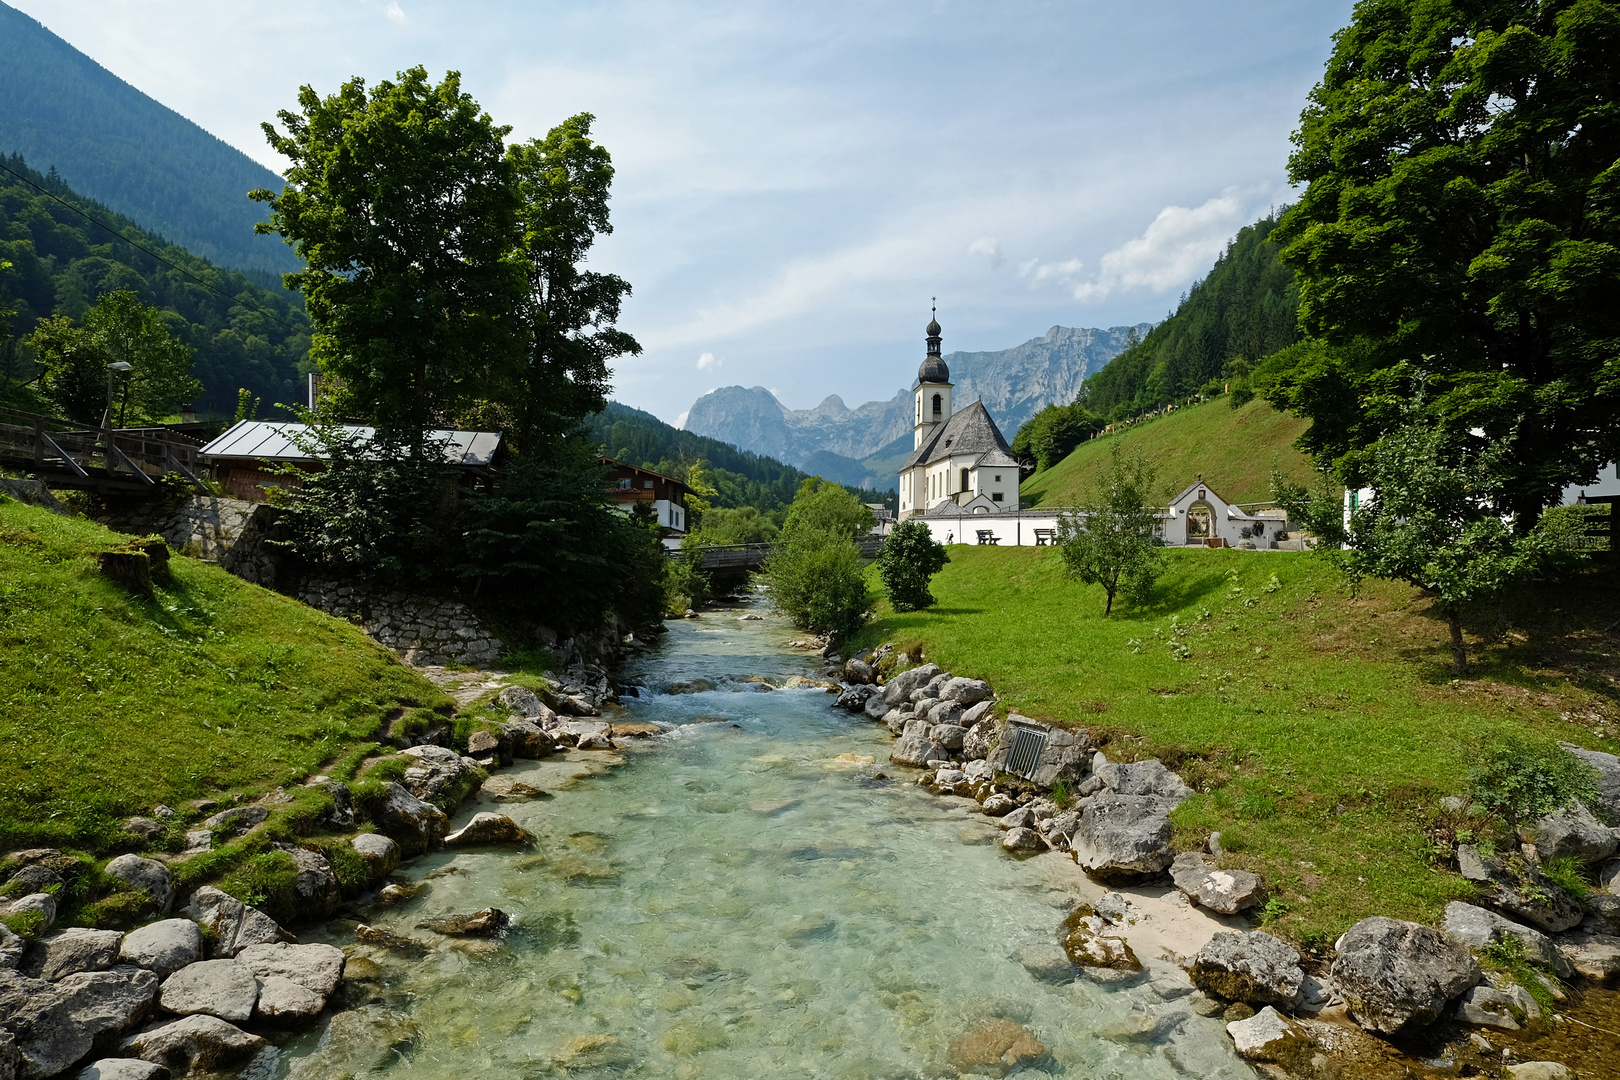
pixel 1013 383
pixel 120 147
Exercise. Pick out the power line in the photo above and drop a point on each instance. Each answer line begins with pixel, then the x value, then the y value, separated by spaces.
pixel 141 247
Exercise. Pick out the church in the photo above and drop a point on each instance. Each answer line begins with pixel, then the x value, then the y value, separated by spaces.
pixel 960 464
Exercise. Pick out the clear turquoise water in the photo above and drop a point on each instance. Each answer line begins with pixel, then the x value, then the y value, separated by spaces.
pixel 734 902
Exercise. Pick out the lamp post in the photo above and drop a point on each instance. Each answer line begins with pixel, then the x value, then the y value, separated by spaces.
pixel 115 369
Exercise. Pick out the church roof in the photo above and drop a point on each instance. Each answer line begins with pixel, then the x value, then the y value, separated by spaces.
pixel 970 431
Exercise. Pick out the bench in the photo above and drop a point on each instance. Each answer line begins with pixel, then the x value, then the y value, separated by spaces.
pixel 1045 537
pixel 988 537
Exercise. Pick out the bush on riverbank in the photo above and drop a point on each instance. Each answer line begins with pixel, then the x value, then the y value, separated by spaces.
pixel 815 575
pixel 111 703
pixel 1321 732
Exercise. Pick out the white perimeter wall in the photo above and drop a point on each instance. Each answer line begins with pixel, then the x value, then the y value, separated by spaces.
pixel 1012 530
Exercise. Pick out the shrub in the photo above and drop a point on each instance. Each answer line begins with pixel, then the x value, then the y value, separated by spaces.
pixel 815 574
pixel 819 583
pixel 908 559
pixel 1522 779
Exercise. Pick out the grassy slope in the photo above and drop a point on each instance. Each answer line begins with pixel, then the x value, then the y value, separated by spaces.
pixel 1323 730
pixel 110 704
pixel 1233 448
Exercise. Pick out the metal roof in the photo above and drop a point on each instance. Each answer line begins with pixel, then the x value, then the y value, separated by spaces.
pixel 264 440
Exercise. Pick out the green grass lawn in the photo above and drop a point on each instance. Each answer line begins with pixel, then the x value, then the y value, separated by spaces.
pixel 1233 448
pixel 1321 731
pixel 110 703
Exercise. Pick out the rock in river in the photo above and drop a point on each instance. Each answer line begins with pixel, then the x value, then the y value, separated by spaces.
pixel 1519 891
pixel 1023 841
pixel 486 829
pixel 1478 928
pixel 916 750
pixel 1204 883
pixel 316 967
pixel 57 1024
pixel 1087 941
pixel 233 924
pixel 123 1069
pixel 1254 967
pixel 995 1049
pixel 416 825
pixel 195 1042
pixel 145 876
pixel 1123 835
pixel 485 923
pixel 1396 975
pixel 163 947
pixel 1267 1036
pixel 222 988
pixel 71 951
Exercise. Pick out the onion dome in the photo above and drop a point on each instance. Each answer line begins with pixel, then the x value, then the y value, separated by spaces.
pixel 933 369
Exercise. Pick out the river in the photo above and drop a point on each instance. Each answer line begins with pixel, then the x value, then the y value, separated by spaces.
pixel 743 897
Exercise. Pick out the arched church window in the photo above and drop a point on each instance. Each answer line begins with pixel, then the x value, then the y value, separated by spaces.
pixel 964 479
pixel 938 404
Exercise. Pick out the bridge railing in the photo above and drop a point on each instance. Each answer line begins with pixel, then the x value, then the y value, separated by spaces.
pixel 752 556
pixel 95 457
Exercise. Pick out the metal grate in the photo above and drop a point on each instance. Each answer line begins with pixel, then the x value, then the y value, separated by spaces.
pixel 1025 752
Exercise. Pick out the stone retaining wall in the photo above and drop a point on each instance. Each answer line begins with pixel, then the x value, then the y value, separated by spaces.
pixel 203 526
pixel 421 629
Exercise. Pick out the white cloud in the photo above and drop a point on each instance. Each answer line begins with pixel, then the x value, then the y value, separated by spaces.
pixel 394 12
pixel 680 421
pixel 1178 244
pixel 989 247
pixel 707 362
pixel 1035 271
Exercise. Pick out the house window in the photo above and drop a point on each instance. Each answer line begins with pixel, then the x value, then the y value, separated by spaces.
pixel 647 484
pixel 624 484
pixel 996 497
pixel 998 478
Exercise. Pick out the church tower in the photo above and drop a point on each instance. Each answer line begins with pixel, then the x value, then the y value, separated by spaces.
pixel 933 393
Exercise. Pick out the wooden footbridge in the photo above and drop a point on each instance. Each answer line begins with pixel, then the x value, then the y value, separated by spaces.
pixel 106 460
pixel 753 556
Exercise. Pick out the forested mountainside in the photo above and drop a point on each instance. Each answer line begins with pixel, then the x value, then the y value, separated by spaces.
pixel 1245 310
pixel 250 337
pixel 743 479
pixel 1014 384
pixel 114 144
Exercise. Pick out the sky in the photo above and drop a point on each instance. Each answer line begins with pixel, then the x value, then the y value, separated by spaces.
pixel 796 181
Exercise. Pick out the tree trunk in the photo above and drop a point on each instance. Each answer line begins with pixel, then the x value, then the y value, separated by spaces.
pixel 1459 652
pixel 1109 606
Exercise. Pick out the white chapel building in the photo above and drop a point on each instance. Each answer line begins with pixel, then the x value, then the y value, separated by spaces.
pixel 960 465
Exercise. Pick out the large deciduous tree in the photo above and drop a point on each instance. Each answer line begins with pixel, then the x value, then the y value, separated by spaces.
pixel 403 203
pixel 568 313
pixel 1461 212
pixel 118 329
pixel 445 287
